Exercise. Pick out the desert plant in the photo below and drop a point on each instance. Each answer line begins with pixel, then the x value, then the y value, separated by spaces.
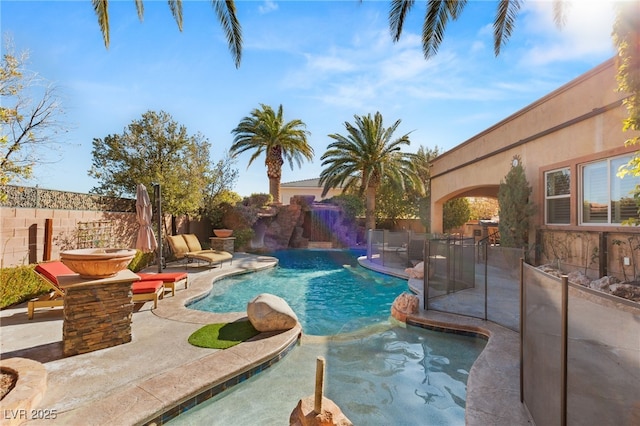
pixel 515 206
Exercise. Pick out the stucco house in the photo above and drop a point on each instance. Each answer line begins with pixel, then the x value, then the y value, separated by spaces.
pixel 305 187
pixel 571 144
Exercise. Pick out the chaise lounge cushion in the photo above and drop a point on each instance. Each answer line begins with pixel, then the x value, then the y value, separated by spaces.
pixel 51 270
pixel 170 279
pixel 178 245
pixel 187 246
pixel 142 287
pixel 163 276
pixel 192 242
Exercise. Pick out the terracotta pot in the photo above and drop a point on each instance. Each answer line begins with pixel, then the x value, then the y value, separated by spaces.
pixel 95 263
pixel 223 233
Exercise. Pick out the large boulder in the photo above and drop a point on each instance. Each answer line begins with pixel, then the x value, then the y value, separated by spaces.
pixel 268 312
pixel 416 272
pixel 404 305
pixel 304 414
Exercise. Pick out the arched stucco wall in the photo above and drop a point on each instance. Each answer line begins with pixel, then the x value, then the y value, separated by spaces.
pixel 577 123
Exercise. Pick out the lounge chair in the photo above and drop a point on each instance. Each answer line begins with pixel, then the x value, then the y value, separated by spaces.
pixel 147 291
pixel 170 279
pixel 187 247
pixel 49 273
pixel 143 290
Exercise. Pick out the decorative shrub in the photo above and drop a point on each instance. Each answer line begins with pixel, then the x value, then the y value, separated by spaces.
pixel 243 238
pixel 19 284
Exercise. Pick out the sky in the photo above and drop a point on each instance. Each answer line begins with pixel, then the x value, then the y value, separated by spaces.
pixel 323 61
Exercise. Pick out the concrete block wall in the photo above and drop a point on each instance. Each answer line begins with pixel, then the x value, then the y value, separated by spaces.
pixel 22 232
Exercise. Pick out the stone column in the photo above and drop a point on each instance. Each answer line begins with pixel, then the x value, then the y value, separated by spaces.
pixel 97 313
pixel 224 244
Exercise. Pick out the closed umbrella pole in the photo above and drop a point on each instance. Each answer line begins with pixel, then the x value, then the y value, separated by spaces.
pixel 145 241
pixel 157 194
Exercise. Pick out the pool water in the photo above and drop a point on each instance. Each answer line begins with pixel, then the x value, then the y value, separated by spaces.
pixel 327 289
pixel 377 371
pixel 393 376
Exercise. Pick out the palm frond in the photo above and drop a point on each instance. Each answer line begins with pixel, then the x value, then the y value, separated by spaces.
pixel 140 9
pixel 176 11
pixel 101 7
pixel 397 15
pixel 506 15
pixel 435 23
pixel 559 12
pixel 226 11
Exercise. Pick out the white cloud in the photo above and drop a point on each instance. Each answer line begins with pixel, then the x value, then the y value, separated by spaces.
pixel 586 32
pixel 267 7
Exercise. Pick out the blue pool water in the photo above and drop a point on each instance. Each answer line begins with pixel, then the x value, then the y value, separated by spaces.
pixel 392 376
pixel 327 289
pixel 380 373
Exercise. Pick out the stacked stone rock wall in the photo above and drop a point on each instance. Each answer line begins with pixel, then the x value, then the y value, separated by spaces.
pixel 96 317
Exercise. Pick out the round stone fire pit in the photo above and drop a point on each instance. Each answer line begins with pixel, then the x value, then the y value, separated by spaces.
pixel 95 263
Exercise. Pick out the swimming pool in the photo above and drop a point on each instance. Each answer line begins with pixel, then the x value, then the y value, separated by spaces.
pixel 327 289
pixel 379 373
pixel 391 376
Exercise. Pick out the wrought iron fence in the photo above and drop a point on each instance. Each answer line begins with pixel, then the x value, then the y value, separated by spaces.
pixel 38 198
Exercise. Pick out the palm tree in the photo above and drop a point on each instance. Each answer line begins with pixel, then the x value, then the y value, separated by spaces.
pixel 440 11
pixel 225 9
pixel 362 159
pixel 266 131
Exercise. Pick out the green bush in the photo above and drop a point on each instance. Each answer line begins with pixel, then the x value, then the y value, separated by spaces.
pixel 141 261
pixel 19 284
pixel 243 238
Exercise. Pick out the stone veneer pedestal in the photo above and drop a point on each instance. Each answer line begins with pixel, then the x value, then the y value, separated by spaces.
pixel 97 313
pixel 225 244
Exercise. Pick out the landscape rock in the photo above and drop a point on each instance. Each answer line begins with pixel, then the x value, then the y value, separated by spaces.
pixel 405 304
pixel 416 272
pixel 627 291
pixel 603 283
pixel 304 415
pixel 607 284
pixel 268 312
pixel 579 278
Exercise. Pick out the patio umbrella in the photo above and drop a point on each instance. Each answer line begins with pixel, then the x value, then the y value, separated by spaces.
pixel 146 241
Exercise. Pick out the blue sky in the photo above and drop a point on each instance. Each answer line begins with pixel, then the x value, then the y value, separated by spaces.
pixel 324 61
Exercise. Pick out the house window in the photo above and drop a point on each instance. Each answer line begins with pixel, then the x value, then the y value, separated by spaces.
pixel 558 197
pixel 606 197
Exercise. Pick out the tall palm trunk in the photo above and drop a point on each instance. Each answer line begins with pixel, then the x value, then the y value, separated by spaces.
pixel 274 164
pixel 274 188
pixel 370 207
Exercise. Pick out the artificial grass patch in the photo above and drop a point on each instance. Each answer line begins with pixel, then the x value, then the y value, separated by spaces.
pixel 223 335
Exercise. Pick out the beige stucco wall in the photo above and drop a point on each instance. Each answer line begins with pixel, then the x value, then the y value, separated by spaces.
pixel 579 122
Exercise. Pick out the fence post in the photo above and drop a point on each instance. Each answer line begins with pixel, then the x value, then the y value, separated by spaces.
pixel 522 322
pixel 486 279
pixel 563 350
pixel 48 238
pixel 426 265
